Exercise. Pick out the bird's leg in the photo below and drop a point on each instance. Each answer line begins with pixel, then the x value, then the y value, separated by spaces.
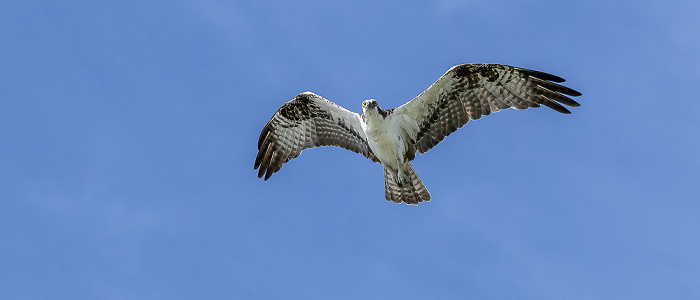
pixel 400 178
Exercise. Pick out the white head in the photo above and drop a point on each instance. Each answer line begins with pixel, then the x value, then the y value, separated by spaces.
pixel 368 105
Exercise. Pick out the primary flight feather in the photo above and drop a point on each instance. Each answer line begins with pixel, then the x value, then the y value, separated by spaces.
pixel 392 137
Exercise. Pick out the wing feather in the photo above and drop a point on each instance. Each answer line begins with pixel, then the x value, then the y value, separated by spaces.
pixel 304 122
pixel 470 91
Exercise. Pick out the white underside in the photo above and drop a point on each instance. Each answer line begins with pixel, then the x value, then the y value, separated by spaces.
pixel 387 139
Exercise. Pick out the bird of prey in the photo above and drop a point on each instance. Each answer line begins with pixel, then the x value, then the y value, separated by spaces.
pixel 392 136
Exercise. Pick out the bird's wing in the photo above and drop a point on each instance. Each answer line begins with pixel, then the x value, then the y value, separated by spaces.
pixel 308 121
pixel 466 92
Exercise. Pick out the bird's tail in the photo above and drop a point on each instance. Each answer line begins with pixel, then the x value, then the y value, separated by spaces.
pixel 409 189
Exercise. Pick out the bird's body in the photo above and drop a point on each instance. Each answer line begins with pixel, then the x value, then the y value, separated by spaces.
pixel 382 138
pixel 392 137
pixel 389 137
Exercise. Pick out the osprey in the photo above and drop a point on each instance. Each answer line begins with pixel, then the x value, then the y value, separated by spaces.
pixel 392 136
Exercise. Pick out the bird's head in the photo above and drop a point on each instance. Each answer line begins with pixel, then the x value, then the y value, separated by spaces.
pixel 370 104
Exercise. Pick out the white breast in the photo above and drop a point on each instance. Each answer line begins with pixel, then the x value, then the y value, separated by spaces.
pixel 384 139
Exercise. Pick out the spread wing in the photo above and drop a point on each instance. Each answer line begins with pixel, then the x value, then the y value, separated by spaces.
pixel 466 92
pixel 308 121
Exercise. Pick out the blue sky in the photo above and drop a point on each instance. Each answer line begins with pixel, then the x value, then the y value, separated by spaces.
pixel 129 129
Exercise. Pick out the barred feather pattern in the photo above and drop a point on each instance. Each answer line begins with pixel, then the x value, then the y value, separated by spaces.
pixel 467 92
pixel 304 122
pixel 410 192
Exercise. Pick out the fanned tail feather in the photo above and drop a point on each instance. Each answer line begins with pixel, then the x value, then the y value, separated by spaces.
pixel 410 191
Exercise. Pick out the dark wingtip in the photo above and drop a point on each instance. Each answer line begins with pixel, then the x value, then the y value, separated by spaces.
pixel 565 90
pixel 542 75
pixel 573 104
pixel 556 106
pixel 261 172
pixel 257 162
pixel 575 93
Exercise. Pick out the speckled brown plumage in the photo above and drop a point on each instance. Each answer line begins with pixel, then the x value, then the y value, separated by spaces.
pixel 467 92
pixel 306 121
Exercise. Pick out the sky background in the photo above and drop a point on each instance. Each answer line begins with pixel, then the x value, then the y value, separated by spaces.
pixel 128 132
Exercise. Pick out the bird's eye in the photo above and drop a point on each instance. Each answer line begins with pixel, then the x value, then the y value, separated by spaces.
pixel 364 104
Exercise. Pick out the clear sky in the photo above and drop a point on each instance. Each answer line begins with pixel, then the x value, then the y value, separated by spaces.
pixel 128 132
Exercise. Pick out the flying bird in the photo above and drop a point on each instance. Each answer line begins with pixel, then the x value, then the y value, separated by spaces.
pixel 391 137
